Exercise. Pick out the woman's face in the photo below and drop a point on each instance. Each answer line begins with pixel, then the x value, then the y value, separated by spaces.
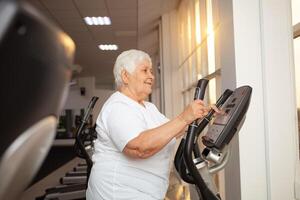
pixel 141 80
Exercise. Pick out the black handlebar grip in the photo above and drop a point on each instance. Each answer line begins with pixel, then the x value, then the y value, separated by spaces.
pixel 89 108
pixel 208 117
pixel 199 94
pixel 223 98
pixel 179 161
pixel 93 101
pixel 200 89
pixel 220 102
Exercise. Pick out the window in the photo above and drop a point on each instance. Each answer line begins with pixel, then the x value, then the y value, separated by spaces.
pixel 197 48
pixel 296 26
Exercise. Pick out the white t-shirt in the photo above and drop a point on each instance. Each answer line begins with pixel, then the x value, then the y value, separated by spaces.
pixel 114 175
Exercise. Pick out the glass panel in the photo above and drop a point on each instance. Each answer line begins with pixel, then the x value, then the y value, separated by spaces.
pixel 297 75
pixel 199 63
pixel 190 64
pixel 181 71
pixel 296 20
pixel 297 68
pixel 212 91
pixel 197 22
pixel 204 59
pixel 186 98
pixel 181 43
pixel 194 68
pixel 210 39
pixel 196 40
pixel 185 69
pixel 192 93
pixel 189 32
pixel 295 11
pixel 192 21
pixel 185 33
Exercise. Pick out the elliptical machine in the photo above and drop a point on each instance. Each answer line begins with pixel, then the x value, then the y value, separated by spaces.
pixel 74 185
pixel 196 167
pixel 85 137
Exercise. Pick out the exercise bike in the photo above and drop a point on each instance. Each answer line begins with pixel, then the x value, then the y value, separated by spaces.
pixel 196 167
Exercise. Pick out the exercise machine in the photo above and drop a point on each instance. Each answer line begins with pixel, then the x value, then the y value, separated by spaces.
pixel 36 59
pixel 84 145
pixel 74 184
pixel 196 167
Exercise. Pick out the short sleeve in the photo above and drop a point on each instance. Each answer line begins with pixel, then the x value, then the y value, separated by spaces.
pixel 123 123
pixel 162 117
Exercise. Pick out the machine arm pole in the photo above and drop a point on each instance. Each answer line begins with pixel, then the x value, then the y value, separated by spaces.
pixel 190 144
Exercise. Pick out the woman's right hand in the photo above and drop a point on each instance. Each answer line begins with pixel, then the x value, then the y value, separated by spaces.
pixel 193 111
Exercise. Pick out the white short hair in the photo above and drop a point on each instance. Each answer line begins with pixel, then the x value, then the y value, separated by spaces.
pixel 128 60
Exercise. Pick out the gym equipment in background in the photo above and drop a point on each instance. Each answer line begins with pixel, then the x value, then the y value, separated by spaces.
pixel 74 183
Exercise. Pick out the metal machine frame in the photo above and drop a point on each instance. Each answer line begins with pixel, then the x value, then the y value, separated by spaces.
pixel 196 167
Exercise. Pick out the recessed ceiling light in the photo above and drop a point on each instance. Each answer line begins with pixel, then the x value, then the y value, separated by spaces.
pixel 106 20
pixel 97 20
pixel 107 47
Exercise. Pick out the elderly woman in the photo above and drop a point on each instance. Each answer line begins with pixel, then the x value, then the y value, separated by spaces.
pixel 135 141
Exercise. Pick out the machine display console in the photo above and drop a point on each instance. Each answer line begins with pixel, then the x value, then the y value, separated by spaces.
pixel 225 126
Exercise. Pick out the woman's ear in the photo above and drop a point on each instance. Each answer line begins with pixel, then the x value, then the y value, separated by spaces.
pixel 124 76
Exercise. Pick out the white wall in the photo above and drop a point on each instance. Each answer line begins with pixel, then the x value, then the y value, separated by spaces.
pixel 172 79
pixel 172 83
pixel 257 51
pixel 297 68
pixel 76 101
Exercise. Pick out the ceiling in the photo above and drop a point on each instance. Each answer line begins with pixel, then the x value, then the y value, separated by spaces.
pixel 134 24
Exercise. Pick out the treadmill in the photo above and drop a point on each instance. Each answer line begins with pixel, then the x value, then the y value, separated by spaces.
pixel 197 167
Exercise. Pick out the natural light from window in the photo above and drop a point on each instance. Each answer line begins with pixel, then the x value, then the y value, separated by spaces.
pixel 297 68
pixel 197 22
pixel 211 51
pixel 295 10
pixel 296 20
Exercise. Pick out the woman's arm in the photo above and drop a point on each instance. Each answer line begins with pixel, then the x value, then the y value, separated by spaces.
pixel 153 140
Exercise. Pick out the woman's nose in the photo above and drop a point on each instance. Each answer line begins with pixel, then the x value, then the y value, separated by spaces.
pixel 151 75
